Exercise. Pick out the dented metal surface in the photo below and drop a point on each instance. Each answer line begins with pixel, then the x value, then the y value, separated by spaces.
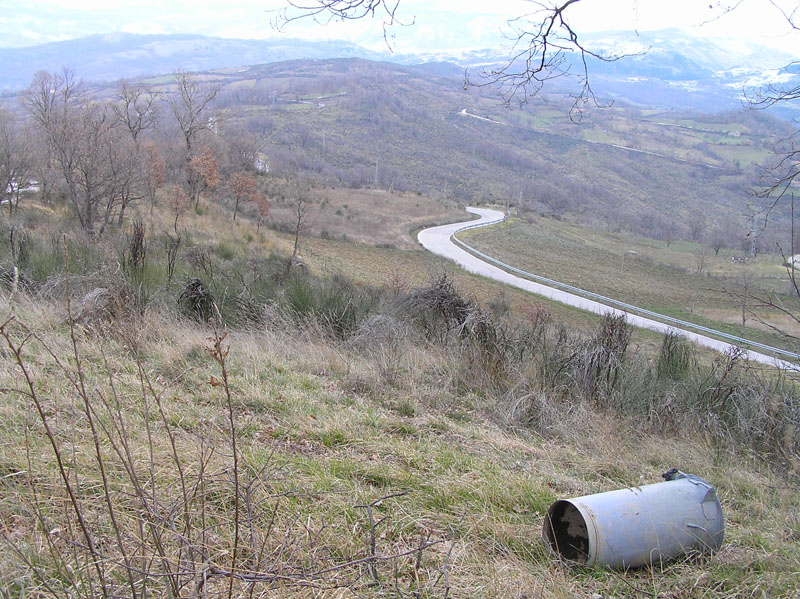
pixel 637 526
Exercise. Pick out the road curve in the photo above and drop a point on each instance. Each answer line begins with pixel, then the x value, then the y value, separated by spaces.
pixel 437 240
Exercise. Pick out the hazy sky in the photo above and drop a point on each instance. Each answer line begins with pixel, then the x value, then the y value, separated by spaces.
pixel 438 24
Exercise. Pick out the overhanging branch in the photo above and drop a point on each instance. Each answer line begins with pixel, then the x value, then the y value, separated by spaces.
pixel 328 11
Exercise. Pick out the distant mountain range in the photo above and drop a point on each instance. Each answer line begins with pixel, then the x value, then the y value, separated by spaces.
pixel 677 71
pixel 674 70
pixel 125 55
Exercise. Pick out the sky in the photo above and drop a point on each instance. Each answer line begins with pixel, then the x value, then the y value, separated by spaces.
pixel 455 25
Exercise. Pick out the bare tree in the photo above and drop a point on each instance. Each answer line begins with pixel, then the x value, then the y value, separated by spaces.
pixel 97 167
pixel 51 96
pixel 95 159
pixel 154 171
pixel 243 148
pixel 128 164
pixel 700 255
pixel 299 212
pixel 135 108
pixel 43 168
pixel 50 99
pixel 178 201
pixel 668 231
pixel 720 236
pixel 143 174
pixel 15 161
pixel 191 107
pixel 747 286
pixel 697 226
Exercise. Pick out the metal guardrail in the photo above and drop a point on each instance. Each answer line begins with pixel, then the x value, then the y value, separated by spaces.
pixel 682 324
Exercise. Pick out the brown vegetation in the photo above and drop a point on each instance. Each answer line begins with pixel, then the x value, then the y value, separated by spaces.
pixel 190 411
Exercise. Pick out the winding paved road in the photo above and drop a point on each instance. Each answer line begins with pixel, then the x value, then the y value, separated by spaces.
pixel 437 240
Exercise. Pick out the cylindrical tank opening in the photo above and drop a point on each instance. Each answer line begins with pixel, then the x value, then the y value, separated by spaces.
pixel 565 532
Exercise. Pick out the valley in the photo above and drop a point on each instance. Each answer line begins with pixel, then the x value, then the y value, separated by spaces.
pixel 234 372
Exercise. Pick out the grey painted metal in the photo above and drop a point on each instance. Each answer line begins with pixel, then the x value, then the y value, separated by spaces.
pixel 636 526
pixel 441 240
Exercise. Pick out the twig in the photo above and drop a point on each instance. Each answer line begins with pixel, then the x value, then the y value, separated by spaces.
pixel 373 525
pixel 446 566
pixel 219 351
pixel 16 351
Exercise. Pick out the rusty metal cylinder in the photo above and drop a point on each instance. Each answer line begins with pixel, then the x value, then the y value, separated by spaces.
pixel 637 526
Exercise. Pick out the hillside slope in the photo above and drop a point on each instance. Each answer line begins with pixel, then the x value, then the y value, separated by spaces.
pixel 361 123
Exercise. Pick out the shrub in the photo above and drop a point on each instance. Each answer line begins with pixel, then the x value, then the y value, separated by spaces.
pixel 140 280
pixel 335 303
pixel 41 257
pixel 676 357
pixel 597 368
pixel 437 310
pixel 225 250
pixel 135 253
pixel 197 302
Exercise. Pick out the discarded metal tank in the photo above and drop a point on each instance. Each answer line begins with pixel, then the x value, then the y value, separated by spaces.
pixel 637 526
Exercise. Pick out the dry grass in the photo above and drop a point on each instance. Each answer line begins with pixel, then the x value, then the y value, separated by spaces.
pixel 757 319
pixel 327 428
pixel 375 217
pixel 324 424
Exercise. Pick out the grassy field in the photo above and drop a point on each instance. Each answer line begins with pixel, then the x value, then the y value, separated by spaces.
pixel 374 217
pixel 722 144
pixel 321 430
pixel 189 410
pixel 247 462
pixel 645 272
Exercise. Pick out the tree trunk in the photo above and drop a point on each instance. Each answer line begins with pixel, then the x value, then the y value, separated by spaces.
pixel 121 213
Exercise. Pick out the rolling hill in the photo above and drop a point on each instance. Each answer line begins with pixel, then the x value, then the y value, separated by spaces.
pixel 360 123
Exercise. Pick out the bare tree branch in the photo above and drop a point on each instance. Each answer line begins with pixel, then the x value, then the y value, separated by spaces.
pixel 778 179
pixel 724 8
pixel 327 11
pixel 135 108
pixel 790 16
pixel 543 43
